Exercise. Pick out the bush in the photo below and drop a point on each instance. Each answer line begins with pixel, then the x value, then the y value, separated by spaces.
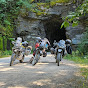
pixel 83 47
pixel 3 53
pixel 82 59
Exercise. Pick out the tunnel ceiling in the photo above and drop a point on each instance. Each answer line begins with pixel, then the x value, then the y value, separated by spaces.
pixel 53 30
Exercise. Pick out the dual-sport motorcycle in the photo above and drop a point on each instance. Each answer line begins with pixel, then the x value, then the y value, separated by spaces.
pixel 39 51
pixel 59 50
pixel 36 56
pixel 19 51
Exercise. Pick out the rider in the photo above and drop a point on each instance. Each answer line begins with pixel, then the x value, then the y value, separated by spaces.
pixel 47 43
pixel 43 43
pixel 37 44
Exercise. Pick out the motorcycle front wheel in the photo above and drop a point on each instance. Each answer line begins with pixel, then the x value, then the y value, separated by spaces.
pixel 36 58
pixel 12 59
pixel 58 59
pixel 30 61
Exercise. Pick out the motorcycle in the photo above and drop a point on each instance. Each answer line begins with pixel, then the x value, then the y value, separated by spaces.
pixel 59 51
pixel 36 56
pixel 19 52
pixel 40 51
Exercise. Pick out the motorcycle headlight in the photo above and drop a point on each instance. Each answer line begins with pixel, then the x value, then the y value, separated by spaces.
pixel 59 50
pixel 15 50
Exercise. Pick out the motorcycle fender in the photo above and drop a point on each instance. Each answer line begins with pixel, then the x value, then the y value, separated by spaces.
pixel 59 50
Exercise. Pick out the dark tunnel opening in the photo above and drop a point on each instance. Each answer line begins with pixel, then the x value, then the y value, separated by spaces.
pixel 54 31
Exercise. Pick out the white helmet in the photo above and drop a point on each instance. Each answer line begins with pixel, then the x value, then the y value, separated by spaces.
pixel 19 39
pixel 68 40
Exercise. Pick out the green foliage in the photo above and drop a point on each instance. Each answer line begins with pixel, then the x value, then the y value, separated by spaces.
pixel 53 2
pixel 5 53
pixel 9 11
pixel 84 73
pixel 1 44
pixel 83 47
pixel 5 42
pixel 74 17
pixel 65 24
pixel 82 59
pixel 47 4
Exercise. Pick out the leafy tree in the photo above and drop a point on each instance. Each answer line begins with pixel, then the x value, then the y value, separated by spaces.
pixel 83 47
pixel 74 17
pixel 9 11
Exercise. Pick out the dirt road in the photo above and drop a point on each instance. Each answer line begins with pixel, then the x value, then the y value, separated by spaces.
pixel 45 74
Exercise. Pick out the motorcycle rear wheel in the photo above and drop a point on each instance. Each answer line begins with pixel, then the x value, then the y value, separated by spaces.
pixel 33 62
pixel 30 61
pixel 21 61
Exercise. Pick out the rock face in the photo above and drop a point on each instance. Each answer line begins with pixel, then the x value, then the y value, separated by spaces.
pixel 33 26
pixel 30 29
pixel 75 33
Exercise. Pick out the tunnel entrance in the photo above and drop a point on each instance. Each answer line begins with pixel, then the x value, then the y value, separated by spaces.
pixel 53 30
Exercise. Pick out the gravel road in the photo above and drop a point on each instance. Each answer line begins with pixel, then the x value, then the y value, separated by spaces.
pixel 45 74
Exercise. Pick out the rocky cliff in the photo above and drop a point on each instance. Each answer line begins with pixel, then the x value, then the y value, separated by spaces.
pixel 32 26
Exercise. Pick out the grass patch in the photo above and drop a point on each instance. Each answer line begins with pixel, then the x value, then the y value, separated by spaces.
pixel 4 56
pixel 84 74
pixel 76 58
pixel 83 62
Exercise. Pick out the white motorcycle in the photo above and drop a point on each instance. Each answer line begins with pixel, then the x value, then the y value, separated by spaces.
pixel 59 51
pixel 19 52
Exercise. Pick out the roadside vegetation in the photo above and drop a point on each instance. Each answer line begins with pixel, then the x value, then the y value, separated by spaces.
pixel 82 61
pixel 10 10
pixel 79 56
pixel 5 53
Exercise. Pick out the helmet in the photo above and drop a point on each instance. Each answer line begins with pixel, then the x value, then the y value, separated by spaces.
pixel 19 39
pixel 68 41
pixel 38 39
